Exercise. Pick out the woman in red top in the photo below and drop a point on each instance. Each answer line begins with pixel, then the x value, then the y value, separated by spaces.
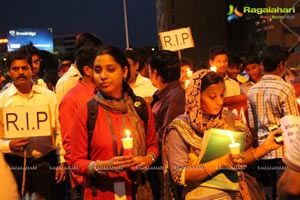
pixel 109 174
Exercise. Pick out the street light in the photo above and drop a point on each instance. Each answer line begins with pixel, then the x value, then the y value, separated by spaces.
pixel 126 25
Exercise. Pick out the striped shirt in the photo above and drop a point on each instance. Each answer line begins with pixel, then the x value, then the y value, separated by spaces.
pixel 269 100
pixel 66 82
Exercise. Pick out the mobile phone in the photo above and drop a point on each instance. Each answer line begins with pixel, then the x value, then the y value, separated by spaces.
pixel 278 138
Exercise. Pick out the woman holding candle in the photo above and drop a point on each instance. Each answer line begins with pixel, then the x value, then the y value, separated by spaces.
pixel 113 172
pixel 182 141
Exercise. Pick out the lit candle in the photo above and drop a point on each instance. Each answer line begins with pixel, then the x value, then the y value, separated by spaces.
pixel 233 146
pixel 189 73
pixel 213 68
pixel 186 83
pixel 127 143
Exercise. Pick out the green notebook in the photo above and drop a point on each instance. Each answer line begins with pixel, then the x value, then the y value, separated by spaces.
pixel 215 145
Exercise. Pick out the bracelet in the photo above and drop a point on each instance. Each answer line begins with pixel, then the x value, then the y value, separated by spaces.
pixel 98 168
pixel 205 168
pixel 152 156
pixel 253 153
pixel 91 168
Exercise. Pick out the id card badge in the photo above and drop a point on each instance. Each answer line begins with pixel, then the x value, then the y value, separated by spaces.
pixel 119 190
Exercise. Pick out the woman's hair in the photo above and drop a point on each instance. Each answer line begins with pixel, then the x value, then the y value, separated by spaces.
pixel 209 79
pixel 120 58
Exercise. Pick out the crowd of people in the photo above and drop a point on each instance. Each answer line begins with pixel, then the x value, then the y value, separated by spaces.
pixel 160 104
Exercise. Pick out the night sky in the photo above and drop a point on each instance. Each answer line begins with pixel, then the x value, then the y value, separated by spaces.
pixel 103 18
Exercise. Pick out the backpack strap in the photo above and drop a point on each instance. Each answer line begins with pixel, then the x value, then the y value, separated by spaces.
pixel 90 125
pixel 140 106
pixel 91 120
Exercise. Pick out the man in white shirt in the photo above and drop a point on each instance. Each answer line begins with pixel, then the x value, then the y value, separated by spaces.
pixel 231 79
pixel 42 153
pixel 67 82
pixel 140 85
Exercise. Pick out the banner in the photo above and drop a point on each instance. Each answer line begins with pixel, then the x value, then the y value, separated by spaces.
pixel 238 105
pixel 290 125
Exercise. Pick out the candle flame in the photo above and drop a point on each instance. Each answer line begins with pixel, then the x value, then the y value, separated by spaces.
pixel 127 133
pixel 189 73
pixel 231 137
pixel 213 68
pixel 186 83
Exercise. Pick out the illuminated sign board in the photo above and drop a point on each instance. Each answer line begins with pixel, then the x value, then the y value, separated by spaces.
pixel 40 38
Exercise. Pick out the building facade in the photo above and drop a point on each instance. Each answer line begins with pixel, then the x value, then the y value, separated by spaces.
pixel 64 43
pixel 249 32
pixel 286 31
pixel 207 20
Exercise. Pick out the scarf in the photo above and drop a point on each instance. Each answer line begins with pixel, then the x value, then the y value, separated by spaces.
pixel 193 110
pixel 194 122
pixel 126 105
pixel 186 132
pixel 200 121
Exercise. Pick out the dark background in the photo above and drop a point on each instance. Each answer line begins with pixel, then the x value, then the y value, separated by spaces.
pixel 67 17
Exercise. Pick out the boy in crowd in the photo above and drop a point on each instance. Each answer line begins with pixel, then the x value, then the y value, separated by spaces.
pixel 269 100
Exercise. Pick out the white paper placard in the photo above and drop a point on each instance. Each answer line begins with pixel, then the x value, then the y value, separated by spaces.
pixel 25 121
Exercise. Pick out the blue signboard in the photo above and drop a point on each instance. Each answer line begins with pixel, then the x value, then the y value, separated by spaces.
pixel 41 38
